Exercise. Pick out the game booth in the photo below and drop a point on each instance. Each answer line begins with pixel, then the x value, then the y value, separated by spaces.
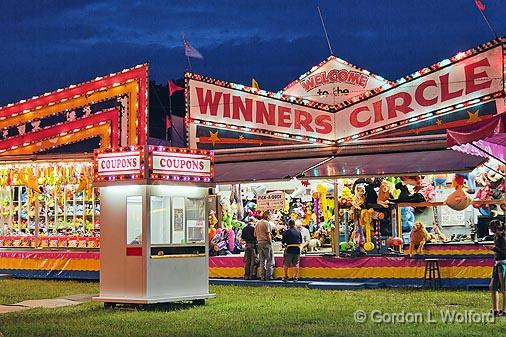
pixel 361 161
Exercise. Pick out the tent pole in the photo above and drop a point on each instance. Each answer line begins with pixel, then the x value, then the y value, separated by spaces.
pixel 335 245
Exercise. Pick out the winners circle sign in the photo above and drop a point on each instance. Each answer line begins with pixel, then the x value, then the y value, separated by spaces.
pixel 184 164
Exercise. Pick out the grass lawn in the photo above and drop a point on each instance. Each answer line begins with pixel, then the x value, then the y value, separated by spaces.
pixel 249 311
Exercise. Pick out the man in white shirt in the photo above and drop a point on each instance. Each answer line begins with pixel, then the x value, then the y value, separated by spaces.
pixel 304 232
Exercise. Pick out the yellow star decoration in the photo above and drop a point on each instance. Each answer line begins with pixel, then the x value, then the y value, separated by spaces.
pixel 241 137
pixel 473 116
pixel 213 137
pixel 439 122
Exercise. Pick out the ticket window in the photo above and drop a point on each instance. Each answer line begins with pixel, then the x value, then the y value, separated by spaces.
pixel 177 220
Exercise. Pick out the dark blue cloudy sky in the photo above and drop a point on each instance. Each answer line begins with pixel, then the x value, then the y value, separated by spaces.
pixel 46 45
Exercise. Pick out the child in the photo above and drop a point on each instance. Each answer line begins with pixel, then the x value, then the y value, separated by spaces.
pixel 499 272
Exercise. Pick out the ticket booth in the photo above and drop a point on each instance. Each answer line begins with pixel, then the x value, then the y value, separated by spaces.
pixel 154 225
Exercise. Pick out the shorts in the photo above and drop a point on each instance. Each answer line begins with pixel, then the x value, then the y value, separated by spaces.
pixel 290 259
pixel 500 267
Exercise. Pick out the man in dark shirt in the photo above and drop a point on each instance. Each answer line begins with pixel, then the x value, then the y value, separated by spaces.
pixel 499 272
pixel 292 239
pixel 250 250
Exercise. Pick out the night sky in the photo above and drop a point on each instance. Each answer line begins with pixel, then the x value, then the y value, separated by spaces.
pixel 46 45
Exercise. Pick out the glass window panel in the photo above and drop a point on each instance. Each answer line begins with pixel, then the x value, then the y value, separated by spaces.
pixel 160 220
pixel 134 220
pixel 178 220
pixel 196 219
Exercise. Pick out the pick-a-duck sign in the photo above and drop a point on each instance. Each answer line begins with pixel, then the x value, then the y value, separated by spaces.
pixel 222 114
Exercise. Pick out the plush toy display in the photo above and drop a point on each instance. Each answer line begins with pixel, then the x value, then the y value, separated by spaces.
pixel 418 237
pixel 359 197
pixel 458 200
pixel 366 222
pixel 314 245
pixel 384 194
pixel 407 218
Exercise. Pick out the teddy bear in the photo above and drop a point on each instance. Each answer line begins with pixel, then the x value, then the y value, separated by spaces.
pixel 314 245
pixel 359 197
pixel 384 194
pixel 419 236
pixel 458 199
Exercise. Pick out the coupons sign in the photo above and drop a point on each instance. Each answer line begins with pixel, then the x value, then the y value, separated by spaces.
pixel 181 164
pixel 271 201
pixel 118 163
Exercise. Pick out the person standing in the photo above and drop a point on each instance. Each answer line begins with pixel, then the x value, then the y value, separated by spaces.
pixel 250 250
pixel 265 254
pixel 499 272
pixel 304 232
pixel 292 239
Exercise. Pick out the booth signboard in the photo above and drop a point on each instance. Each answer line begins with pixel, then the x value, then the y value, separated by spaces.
pixel 188 164
pixel 164 163
pixel 271 201
pixel 119 163
pixel 333 81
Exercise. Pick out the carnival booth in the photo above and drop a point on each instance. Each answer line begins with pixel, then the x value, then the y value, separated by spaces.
pixel 154 233
pixel 359 166
pixel 49 208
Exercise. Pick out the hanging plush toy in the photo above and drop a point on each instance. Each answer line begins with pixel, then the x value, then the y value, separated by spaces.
pixel 322 191
pixel 366 222
pixel 458 200
pixel 213 220
pixel 359 197
pixel 345 197
pixel 384 194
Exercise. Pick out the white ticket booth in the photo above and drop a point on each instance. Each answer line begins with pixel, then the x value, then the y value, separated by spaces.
pixel 154 226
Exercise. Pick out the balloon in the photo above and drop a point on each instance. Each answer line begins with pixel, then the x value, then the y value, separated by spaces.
pixel 299 188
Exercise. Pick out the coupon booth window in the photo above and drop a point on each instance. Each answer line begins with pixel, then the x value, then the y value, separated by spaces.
pixel 154 224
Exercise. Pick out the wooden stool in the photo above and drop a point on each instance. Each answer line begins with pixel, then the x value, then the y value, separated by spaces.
pixel 432 277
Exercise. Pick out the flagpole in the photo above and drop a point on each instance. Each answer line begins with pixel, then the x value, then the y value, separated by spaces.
pixel 325 30
pixel 488 24
pixel 187 57
pixel 169 117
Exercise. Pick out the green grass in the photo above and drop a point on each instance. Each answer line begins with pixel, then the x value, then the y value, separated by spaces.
pixel 249 311
pixel 17 290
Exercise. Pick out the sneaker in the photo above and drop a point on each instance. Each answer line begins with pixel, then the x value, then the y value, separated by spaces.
pixel 500 313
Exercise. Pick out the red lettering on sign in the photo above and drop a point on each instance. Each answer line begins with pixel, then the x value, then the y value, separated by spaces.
pixel 226 105
pixel 472 76
pixel 420 98
pixel 403 106
pixel 245 108
pixel 446 95
pixel 263 116
pixel 323 124
pixel 210 102
pixel 284 117
pixel 355 122
pixel 304 119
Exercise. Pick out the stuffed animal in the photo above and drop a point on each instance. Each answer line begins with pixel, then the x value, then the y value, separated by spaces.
pixel 458 199
pixel 407 218
pixel 366 222
pixel 359 198
pixel 418 237
pixel 314 245
pixel 384 194
pixel 346 197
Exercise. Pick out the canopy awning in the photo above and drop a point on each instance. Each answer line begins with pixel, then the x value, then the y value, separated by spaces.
pixel 485 139
pixel 380 164
pixel 396 164
pixel 263 170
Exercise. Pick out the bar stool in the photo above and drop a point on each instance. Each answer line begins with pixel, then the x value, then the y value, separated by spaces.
pixel 432 277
